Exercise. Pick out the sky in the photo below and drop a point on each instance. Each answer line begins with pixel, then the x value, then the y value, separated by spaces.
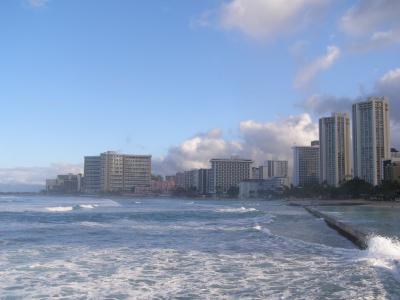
pixel 183 80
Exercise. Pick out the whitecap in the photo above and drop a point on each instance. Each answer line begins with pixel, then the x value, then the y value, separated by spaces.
pixel 92 224
pixel 384 252
pixel 60 208
pixel 236 210
pixel 257 227
pixel 87 206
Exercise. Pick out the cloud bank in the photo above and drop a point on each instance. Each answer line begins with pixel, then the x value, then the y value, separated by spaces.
pixel 258 141
pixel 374 24
pixel 388 85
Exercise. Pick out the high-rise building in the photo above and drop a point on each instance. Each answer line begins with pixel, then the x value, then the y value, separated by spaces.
pixel 227 173
pixel 371 138
pixel 306 164
pixel 204 181
pixel 334 138
pixel 115 172
pixel 256 172
pixel 191 180
pixel 276 168
pixel 180 180
pixel 112 172
pixel 92 172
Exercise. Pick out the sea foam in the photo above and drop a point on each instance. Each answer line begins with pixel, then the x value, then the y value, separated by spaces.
pixel 60 208
pixel 384 252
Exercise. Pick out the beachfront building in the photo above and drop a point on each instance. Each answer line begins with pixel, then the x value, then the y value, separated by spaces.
pixel 180 180
pixel 161 186
pixel 276 168
pixel 115 172
pixel 196 180
pixel 125 172
pixel 228 172
pixel 391 167
pixel 261 188
pixel 334 138
pixel 371 138
pixel 204 181
pixel 191 180
pixel 65 184
pixel 92 171
pixel 391 171
pixel 271 169
pixel 256 172
pixel 306 164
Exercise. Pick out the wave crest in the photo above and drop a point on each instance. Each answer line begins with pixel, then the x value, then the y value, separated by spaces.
pixel 236 210
pixel 384 252
pixel 60 208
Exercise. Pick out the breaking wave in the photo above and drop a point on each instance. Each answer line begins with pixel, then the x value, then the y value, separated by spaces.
pixel 236 210
pixel 384 252
pixel 71 208
pixel 87 206
pixel 60 208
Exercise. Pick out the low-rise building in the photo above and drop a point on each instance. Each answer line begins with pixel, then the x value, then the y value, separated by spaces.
pixel 227 173
pixel 260 188
pixel 163 186
pixel 391 171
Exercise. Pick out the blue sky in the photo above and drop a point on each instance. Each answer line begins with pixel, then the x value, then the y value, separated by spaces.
pixel 81 77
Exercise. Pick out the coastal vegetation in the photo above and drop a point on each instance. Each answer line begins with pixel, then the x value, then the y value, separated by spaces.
pixel 352 189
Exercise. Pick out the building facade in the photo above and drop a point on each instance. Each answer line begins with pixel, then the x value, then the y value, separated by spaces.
pixel 391 171
pixel 306 164
pixel 114 172
pixel 276 168
pixel 334 138
pixel 92 171
pixel 371 138
pixel 260 188
pixel 65 184
pixel 228 173
pixel 180 180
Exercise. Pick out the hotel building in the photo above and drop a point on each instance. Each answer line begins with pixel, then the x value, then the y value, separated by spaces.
pixel 118 173
pixel 227 173
pixel 306 164
pixel 334 138
pixel 371 138
pixel 92 171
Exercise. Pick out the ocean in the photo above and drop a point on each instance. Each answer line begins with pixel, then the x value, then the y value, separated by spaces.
pixel 110 248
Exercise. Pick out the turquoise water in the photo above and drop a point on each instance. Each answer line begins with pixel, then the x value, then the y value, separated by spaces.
pixel 376 220
pixel 94 248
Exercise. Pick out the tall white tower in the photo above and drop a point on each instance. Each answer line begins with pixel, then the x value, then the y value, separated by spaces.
pixel 334 137
pixel 371 138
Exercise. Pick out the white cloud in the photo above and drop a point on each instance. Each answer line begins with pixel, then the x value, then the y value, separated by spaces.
pixel 389 85
pixel 37 3
pixel 258 141
pixel 36 175
pixel 308 72
pixel 264 19
pixel 321 105
pixel 372 23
